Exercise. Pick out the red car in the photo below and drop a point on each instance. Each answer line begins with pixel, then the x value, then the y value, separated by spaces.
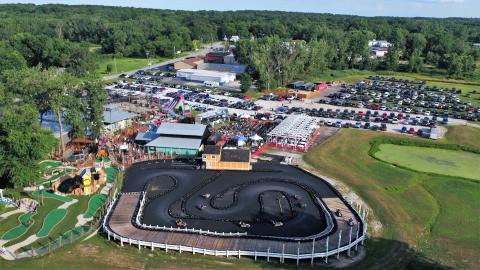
pixel 411 131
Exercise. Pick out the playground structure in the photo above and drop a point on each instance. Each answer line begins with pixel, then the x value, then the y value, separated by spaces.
pixel 177 105
pixel 85 183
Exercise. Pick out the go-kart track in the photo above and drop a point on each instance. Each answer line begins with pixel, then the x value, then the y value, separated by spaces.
pixel 273 211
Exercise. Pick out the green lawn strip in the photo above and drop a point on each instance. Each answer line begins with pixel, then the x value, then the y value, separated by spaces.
pixel 53 218
pixel 111 172
pixel 99 253
pixel 39 194
pixel 42 211
pixel 413 215
pixel 21 228
pixel 96 201
pixel 432 160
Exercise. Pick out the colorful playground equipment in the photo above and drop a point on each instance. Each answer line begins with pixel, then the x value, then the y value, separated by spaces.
pixel 85 183
pixel 176 105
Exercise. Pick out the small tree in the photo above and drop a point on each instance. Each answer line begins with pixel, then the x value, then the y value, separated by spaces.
pixel 245 82
pixel 109 68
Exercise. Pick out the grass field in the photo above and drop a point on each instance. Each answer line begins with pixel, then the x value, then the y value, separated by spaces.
pixel 432 160
pixel 423 226
pixel 124 64
pixel 49 164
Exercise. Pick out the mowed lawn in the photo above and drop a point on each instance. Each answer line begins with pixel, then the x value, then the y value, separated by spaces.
pixel 432 160
pixel 428 220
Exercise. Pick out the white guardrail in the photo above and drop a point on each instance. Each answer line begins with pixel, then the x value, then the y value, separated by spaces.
pixel 266 254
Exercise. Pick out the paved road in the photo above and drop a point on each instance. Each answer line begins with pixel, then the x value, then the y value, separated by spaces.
pixel 202 51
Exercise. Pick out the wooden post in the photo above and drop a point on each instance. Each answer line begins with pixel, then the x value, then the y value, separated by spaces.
pixel 139 247
pixel 313 251
pixel 356 239
pixel 283 253
pixel 268 254
pixel 204 252
pixel 227 253
pixel 152 246
pixel 166 248
pixel 339 240
pixel 326 253
pixel 255 254
pixel 298 255
pixel 365 230
pixel 349 241
pixel 239 254
pixel 121 241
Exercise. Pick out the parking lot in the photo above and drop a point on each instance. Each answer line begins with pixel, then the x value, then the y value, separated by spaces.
pixel 382 117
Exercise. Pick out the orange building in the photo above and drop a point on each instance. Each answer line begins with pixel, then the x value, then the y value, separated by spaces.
pixel 216 158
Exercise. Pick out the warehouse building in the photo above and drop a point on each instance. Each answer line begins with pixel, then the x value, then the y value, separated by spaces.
pixel 203 76
pixel 115 121
pixel 218 158
pixel 177 139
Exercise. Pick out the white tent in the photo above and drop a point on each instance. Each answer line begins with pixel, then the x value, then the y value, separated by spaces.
pixel 256 138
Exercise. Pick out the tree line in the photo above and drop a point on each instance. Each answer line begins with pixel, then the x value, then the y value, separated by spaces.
pixel 60 35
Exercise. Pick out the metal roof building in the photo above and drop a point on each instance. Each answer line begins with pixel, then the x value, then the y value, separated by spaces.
pixel 202 76
pixel 176 139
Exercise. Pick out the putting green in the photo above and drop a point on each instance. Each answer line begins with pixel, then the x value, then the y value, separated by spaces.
pixel 52 219
pixel 432 160
pixel 95 202
pixel 21 228
pixel 49 164
pixel 52 196
pixel 111 172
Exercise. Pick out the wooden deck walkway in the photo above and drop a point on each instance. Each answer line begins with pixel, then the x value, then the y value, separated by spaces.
pixel 122 217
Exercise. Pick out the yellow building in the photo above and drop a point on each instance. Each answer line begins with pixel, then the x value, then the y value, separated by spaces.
pixel 216 158
pixel 87 181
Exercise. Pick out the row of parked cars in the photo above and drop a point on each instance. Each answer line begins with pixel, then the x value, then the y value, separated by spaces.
pixel 370 116
pixel 404 96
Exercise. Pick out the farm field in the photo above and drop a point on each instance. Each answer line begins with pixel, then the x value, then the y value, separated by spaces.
pixel 421 220
pixel 432 160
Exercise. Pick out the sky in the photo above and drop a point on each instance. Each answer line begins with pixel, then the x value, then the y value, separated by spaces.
pixel 401 8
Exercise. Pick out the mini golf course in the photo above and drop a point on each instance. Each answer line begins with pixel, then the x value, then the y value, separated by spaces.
pixel 49 164
pixel 21 228
pixel 432 160
pixel 51 196
pixel 95 202
pixel 111 172
pixel 52 219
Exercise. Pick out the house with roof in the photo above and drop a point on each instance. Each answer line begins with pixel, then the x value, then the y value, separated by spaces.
pixel 217 158
pixel 188 63
pixel 175 139
pixel 114 121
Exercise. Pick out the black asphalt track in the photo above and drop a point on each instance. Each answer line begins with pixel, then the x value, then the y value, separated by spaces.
pixel 271 192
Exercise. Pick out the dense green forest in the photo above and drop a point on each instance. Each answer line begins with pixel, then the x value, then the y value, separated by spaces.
pixel 60 35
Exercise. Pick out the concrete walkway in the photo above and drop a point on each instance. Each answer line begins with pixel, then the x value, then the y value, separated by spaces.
pixel 7 214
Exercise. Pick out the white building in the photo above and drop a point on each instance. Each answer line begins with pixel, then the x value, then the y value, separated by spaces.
pixel 379 43
pixel 235 38
pixel 203 76
pixel 378 52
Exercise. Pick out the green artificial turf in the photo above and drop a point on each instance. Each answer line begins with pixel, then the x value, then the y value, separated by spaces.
pixel 111 172
pixel 432 160
pixel 53 218
pixel 96 201
pixel 21 228
pixel 45 194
